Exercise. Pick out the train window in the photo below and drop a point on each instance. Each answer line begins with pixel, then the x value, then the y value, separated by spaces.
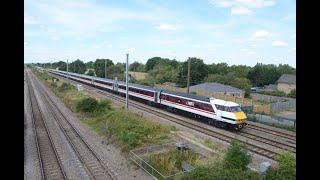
pixel 234 109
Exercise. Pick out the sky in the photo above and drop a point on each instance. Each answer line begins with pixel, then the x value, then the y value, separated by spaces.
pixel 232 31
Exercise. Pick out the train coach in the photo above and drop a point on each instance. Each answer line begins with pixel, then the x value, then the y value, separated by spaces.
pixel 220 113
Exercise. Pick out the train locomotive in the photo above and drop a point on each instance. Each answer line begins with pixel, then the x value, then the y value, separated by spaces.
pixel 220 113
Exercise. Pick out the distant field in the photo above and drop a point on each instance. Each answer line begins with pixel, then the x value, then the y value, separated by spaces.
pixel 138 75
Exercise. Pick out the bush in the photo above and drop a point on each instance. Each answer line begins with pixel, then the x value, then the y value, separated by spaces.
pixel 219 172
pixel 87 105
pixel 170 162
pixel 131 131
pixel 237 156
pixel 91 105
pixel 292 93
pixel 65 86
pixel 274 93
pixel 286 167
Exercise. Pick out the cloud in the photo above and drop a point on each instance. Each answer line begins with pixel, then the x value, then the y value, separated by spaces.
pixel 246 3
pixel 251 53
pixel 256 3
pixel 260 34
pixel 30 20
pixel 221 3
pixel 279 43
pixel 166 26
pixel 240 11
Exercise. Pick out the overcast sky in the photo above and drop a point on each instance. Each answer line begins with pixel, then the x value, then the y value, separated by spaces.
pixel 231 31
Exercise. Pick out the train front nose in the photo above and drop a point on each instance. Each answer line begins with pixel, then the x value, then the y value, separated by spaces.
pixel 240 117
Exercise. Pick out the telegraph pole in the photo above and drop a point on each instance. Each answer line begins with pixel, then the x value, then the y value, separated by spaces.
pixel 105 69
pixel 188 82
pixel 68 68
pixel 127 95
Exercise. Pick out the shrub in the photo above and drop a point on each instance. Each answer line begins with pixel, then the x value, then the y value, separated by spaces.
pixel 131 131
pixel 65 86
pixel 91 105
pixel 286 167
pixel 237 156
pixel 292 93
pixel 170 162
pixel 87 105
pixel 219 172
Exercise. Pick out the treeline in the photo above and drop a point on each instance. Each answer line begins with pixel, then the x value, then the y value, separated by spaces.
pixel 162 70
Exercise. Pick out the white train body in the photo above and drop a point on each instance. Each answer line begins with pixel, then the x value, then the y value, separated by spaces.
pixel 219 112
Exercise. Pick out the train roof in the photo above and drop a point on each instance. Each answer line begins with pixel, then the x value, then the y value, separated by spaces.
pixel 140 86
pixel 191 96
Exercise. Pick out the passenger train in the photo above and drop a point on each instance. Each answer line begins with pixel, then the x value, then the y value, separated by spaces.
pixel 220 113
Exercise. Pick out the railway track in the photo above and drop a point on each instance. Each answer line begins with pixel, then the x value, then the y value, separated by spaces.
pixel 201 128
pixel 263 128
pixel 50 164
pixel 87 156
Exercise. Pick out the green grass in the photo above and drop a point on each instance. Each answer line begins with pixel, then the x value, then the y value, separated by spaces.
pixel 170 162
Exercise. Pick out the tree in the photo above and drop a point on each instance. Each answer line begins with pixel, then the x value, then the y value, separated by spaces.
pixel 61 65
pixel 237 156
pixel 156 60
pixel 99 66
pixel 137 67
pixel 91 73
pixel 77 67
pixel 117 70
pixel 198 71
pixel 89 65
pixel 163 72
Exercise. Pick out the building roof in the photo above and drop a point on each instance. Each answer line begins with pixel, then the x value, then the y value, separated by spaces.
pixel 215 87
pixel 287 78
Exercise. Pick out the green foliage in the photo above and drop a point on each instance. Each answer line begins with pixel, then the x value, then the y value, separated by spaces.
pixel 292 93
pixel 117 70
pixel 198 71
pixel 286 167
pixel 237 156
pixel 137 67
pixel 91 73
pixel 219 172
pixel 170 162
pixel 65 87
pixel 90 65
pixel 163 72
pixel 91 105
pixel 61 65
pixel 263 74
pixel 77 66
pixel 131 130
pixel 99 66
pixel 232 80
pixel 274 93
pixel 87 105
